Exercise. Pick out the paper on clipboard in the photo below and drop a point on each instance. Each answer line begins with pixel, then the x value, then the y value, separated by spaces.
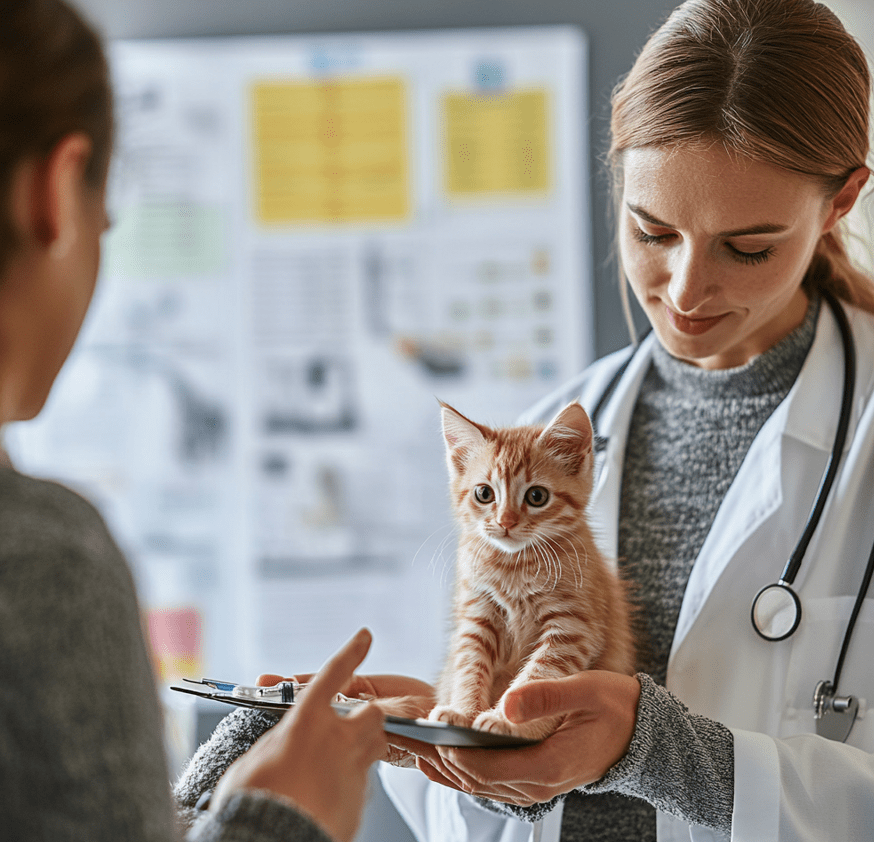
pixel 434 733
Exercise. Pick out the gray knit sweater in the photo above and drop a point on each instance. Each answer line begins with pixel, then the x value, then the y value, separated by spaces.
pixel 81 749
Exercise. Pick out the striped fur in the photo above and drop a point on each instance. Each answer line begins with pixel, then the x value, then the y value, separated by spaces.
pixel 534 597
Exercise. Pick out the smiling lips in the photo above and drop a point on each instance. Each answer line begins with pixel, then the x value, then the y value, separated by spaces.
pixel 692 327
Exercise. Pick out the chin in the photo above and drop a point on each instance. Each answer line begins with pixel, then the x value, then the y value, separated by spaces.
pixel 507 545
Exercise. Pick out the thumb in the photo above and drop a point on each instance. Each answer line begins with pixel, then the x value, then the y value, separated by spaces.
pixel 546 697
pixel 337 671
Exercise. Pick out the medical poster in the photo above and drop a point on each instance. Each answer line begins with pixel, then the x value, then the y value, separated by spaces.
pixel 314 240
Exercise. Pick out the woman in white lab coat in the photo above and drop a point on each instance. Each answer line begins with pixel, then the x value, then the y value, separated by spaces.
pixel 740 141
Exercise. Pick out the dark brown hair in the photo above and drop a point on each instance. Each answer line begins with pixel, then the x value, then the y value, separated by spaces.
pixel 777 81
pixel 54 80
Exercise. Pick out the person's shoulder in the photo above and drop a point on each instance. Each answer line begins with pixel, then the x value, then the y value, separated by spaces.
pixel 585 387
pixel 45 526
pixel 32 504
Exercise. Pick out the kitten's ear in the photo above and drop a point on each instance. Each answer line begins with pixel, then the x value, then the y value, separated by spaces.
pixel 569 436
pixel 460 434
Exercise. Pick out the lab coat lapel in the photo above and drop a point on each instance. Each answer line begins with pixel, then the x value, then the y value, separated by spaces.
pixel 757 493
pixel 616 418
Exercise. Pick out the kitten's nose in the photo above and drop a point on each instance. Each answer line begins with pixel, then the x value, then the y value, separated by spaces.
pixel 507 519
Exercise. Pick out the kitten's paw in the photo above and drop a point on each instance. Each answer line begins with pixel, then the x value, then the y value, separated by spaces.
pixel 444 713
pixel 494 722
pixel 497 723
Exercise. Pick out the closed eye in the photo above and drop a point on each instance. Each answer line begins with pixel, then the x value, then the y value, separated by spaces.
pixel 750 258
pixel 649 239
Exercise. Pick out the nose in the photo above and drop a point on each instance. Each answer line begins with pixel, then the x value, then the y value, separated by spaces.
pixel 507 518
pixel 692 280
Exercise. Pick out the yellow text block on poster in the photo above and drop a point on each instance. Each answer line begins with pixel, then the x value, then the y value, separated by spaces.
pixel 331 151
pixel 496 143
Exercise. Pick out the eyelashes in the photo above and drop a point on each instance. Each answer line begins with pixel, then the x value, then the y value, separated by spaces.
pixel 749 258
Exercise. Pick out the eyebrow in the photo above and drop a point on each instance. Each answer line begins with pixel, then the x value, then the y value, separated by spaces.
pixel 763 228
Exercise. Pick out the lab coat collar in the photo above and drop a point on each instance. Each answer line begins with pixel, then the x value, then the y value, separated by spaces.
pixel 807 419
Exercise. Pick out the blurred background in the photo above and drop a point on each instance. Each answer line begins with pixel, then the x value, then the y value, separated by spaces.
pixel 326 217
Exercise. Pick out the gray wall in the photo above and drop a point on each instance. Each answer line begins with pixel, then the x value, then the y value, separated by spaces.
pixel 616 30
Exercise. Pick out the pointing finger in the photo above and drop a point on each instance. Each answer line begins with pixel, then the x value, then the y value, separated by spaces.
pixel 337 671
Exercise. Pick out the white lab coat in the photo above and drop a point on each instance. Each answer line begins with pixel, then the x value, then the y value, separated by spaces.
pixel 790 785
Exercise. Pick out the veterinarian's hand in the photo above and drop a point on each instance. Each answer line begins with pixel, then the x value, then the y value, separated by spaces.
pixel 600 711
pixel 399 695
pixel 314 757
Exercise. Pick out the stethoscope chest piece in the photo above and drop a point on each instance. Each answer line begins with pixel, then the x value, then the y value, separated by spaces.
pixel 776 611
pixel 834 715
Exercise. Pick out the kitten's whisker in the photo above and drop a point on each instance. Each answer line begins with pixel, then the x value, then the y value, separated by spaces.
pixel 438 555
pixel 551 557
pixel 440 545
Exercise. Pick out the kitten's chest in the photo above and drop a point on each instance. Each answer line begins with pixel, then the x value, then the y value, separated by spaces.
pixel 519 616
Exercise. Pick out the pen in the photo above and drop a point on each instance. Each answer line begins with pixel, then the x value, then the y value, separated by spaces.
pixel 284 692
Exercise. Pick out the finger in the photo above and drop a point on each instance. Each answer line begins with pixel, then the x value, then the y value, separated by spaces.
pixel 368 721
pixel 416 747
pixel 400 685
pixel 268 679
pixel 510 766
pixel 434 774
pixel 337 671
pixel 547 697
pixel 446 775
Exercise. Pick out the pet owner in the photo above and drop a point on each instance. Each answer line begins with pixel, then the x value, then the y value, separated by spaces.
pixel 81 738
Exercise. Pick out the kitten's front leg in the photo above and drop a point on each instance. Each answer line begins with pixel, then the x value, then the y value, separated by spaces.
pixel 466 687
pixel 551 659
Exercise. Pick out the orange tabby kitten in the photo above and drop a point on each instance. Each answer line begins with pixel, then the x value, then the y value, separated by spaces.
pixel 534 596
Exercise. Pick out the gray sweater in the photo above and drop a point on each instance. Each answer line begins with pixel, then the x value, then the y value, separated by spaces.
pixel 81 748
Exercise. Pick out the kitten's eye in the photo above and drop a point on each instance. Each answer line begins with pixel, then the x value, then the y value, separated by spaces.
pixel 484 494
pixel 536 496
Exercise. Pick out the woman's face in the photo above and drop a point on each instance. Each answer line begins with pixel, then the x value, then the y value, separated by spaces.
pixel 715 248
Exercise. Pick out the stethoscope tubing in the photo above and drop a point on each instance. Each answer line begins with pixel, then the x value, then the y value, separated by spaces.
pixel 793 565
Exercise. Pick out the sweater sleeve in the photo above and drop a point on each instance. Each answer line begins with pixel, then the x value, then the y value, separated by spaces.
pixel 256 817
pixel 233 736
pixel 681 763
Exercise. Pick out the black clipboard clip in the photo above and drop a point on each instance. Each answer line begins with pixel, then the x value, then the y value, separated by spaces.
pixel 283 696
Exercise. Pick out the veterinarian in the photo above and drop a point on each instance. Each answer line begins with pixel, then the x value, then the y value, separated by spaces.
pixel 735 475
pixel 81 739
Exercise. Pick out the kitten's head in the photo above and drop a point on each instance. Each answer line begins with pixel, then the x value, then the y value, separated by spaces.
pixel 517 486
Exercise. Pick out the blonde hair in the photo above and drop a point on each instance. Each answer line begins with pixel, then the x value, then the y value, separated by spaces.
pixel 777 81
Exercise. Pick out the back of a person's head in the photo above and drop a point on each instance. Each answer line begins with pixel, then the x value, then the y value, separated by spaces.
pixel 54 81
pixel 777 81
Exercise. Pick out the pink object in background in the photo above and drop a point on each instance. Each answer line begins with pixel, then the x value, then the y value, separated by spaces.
pixel 175 640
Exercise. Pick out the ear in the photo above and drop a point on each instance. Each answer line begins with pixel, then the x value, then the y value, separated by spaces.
pixel 460 434
pixel 569 436
pixel 843 203
pixel 47 195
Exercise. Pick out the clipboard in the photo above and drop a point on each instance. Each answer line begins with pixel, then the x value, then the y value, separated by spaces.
pixel 424 730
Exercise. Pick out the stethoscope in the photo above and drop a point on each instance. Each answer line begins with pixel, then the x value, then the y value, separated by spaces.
pixel 776 608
